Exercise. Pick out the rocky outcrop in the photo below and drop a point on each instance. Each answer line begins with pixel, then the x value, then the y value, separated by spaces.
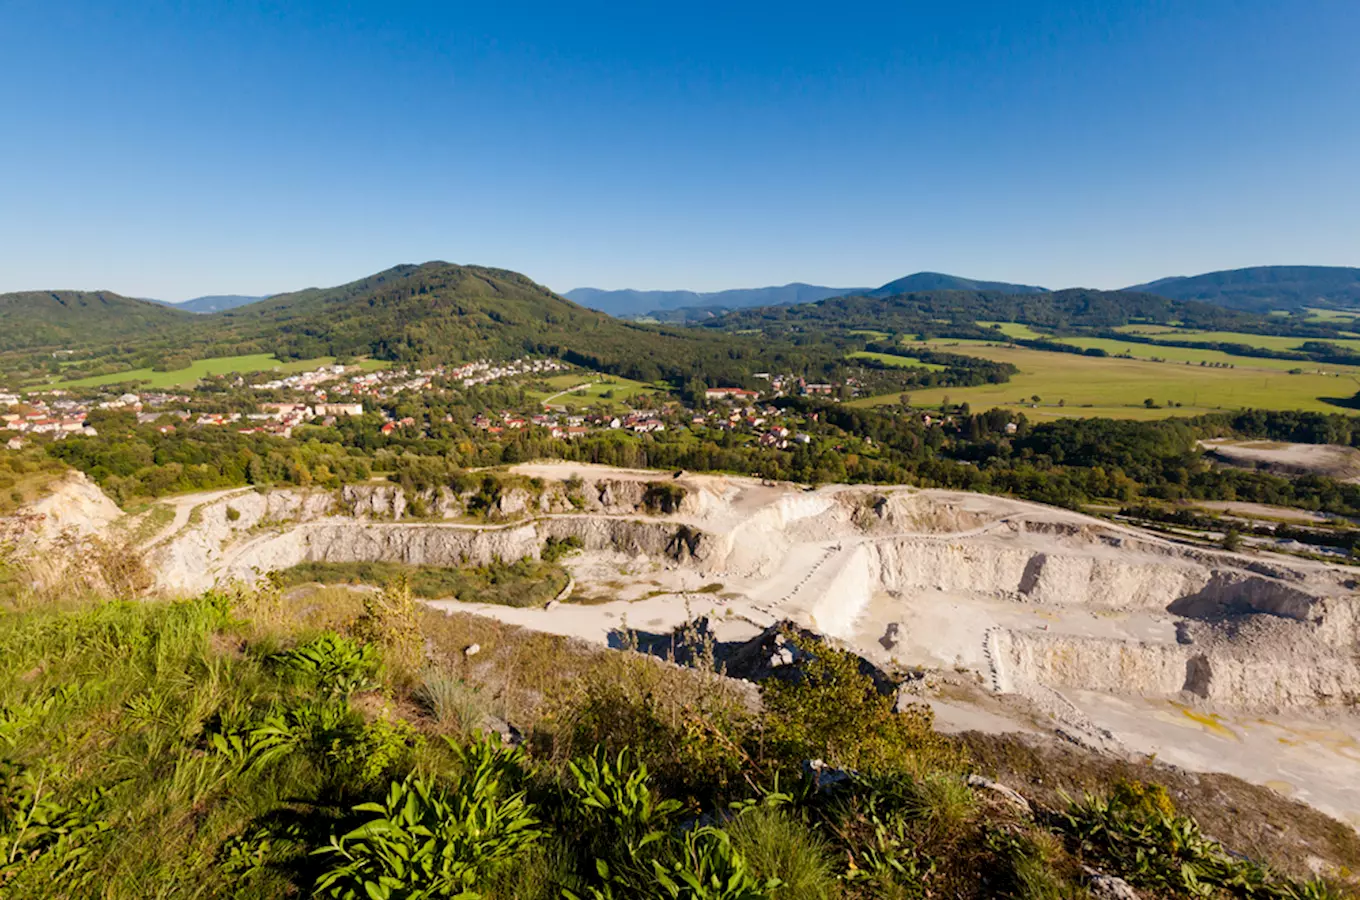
pixel 74 505
pixel 1252 675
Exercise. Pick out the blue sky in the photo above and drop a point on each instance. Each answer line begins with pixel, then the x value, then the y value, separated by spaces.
pixel 177 149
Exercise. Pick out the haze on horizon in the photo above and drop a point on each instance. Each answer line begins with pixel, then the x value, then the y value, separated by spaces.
pixel 167 152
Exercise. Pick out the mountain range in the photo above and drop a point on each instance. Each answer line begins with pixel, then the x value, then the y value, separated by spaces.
pixel 213 303
pixel 1265 288
pixel 443 311
pixel 692 305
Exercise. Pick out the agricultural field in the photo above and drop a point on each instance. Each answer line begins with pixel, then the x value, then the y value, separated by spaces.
pixel 896 361
pixel 1016 331
pixel 870 334
pixel 1264 341
pixel 222 365
pixel 1316 314
pixel 1196 355
pixel 1118 388
pixel 594 391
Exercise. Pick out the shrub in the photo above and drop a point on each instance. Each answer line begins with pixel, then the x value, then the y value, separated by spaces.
pixel 425 841
pixel 336 665
pixel 390 619
pixel 233 514
pixel 663 497
pixel 835 713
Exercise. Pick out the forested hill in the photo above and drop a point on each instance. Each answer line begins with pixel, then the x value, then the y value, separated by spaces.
pixel 61 320
pixel 936 281
pixel 1264 288
pixel 442 313
pixel 930 310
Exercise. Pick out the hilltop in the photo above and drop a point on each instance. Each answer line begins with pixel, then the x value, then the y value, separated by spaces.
pixel 63 319
pixel 1264 288
pixel 936 281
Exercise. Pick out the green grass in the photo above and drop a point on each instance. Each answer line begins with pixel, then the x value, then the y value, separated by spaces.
pixel 1016 330
pixel 1195 355
pixel 896 361
pixel 1110 387
pixel 869 334
pixel 621 391
pixel 1264 341
pixel 231 745
pixel 222 365
pixel 1316 314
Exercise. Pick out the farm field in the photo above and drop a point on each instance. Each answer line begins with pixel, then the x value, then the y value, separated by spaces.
pixel 622 390
pixel 1195 355
pixel 893 359
pixel 222 365
pixel 1265 341
pixel 1117 388
pixel 1316 314
pixel 1016 330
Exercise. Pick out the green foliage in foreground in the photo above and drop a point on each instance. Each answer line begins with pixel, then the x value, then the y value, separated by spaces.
pixel 245 751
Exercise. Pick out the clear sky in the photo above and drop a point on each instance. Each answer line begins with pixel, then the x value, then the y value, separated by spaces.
pixel 176 149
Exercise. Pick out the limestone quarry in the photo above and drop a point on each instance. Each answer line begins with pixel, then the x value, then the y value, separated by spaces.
pixel 1003 615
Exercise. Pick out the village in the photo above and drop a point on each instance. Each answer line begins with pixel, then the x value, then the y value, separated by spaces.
pixel 324 395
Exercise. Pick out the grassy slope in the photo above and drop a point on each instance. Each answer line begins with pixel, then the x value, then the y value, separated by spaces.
pixel 896 361
pixel 110 712
pixel 623 390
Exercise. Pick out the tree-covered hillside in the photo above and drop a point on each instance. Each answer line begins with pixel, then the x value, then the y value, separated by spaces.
pixel 1264 288
pixel 933 310
pixel 59 320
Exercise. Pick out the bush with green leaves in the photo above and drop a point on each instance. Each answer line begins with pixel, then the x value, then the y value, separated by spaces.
pixel 427 840
pixel 834 712
pixel 337 666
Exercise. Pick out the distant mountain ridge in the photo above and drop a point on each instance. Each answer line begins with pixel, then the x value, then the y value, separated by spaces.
pixel 922 282
pixel 1264 288
pixel 691 305
pixel 639 303
pixel 212 303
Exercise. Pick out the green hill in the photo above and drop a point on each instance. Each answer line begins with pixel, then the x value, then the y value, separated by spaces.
pixel 1263 288
pixel 59 320
pixel 444 313
pixel 937 281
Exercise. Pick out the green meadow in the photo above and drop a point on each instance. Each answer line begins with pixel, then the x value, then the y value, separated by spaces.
pixel 896 361
pixel 620 391
pixel 1073 385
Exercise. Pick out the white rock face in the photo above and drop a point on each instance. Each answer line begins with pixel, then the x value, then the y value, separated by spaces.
pixel 76 504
